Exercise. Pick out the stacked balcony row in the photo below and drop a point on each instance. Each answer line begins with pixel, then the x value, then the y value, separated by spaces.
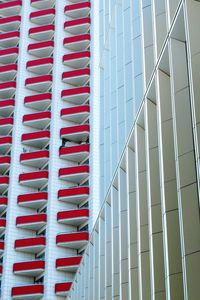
pixel 35 155
pixel 75 148
pixel 10 21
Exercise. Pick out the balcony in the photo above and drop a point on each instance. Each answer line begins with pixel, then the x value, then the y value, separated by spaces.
pixel 40 66
pixel 75 153
pixel 77 114
pixel 10 8
pixel 4 182
pixel 38 139
pixel 2 225
pixel 28 292
pixel 43 17
pixel 74 240
pixel 5 144
pixel 3 204
pixel 7 107
pixel 33 200
pixel 75 195
pixel 8 72
pixel 77 60
pixel 36 179
pixel 7 90
pixel 36 159
pixel 6 126
pixel 4 164
pixel 9 56
pixel 78 133
pixel 77 96
pixel 9 39
pixel 69 264
pixel 32 245
pixel 42 33
pixel 29 268
pixel 74 217
pixel 1 248
pixel 63 289
pixel 78 10
pixel 78 42
pixel 40 84
pixel 39 102
pixel 77 77
pixel 40 120
pixel 43 49
pixel 76 174
pixel 31 222
pixel 10 23
pixel 42 4
pixel 77 26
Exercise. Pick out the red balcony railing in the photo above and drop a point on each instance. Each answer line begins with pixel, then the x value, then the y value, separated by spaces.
pixel 42 49
pixel 78 95
pixel 8 72
pixel 9 39
pixel 33 200
pixel 34 292
pixel 7 89
pixel 4 163
pixel 10 8
pixel 40 84
pixel 6 107
pixel 8 56
pixel 5 144
pixel 78 133
pixel 10 23
pixel 75 174
pixel 62 289
pixel 78 42
pixel 40 4
pixel 38 139
pixel 78 10
pixel 74 217
pixel 43 17
pixel 2 225
pixel 3 204
pixel 37 120
pixel 78 114
pixel 77 26
pixel 36 179
pixel 32 222
pixel 1 248
pixel 75 240
pixel 6 125
pixel 69 264
pixel 74 195
pixel 4 182
pixel 42 33
pixel 76 77
pixel 76 153
pixel 40 66
pixel 35 159
pixel 32 244
pixel 77 60
pixel 39 102
pixel 29 268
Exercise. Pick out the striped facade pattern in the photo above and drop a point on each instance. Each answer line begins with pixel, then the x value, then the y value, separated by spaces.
pixel 44 145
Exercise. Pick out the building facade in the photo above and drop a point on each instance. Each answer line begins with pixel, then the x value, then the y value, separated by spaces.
pixel 99 149
pixel 145 243
pixel 44 145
